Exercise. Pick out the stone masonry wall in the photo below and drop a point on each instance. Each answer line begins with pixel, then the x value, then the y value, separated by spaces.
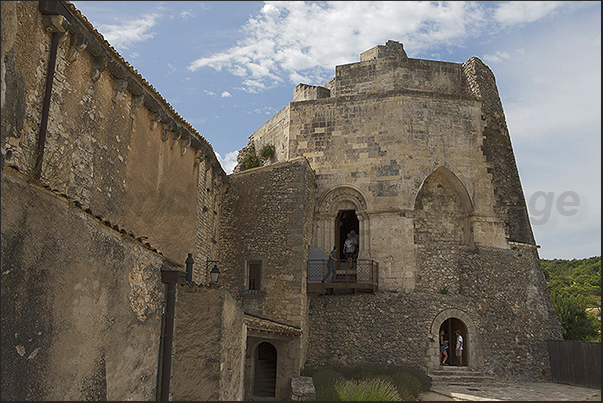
pixel 499 292
pixel 81 302
pixel 113 144
pixel 266 216
pixel 510 202
pixel 209 347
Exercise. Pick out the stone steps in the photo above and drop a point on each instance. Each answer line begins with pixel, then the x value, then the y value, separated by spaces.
pixel 451 375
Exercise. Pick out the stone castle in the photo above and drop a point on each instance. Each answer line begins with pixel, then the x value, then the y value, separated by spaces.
pixel 115 210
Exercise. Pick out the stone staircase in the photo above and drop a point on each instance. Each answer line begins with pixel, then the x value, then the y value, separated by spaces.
pixel 463 376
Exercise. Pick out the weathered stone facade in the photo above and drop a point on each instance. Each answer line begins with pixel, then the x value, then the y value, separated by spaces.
pixel 415 154
pixel 419 152
pixel 81 303
pixel 126 190
pixel 266 217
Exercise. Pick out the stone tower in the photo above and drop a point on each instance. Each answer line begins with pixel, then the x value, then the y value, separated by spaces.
pixel 415 156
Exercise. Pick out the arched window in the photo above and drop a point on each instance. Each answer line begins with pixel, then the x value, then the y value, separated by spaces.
pixel 442 210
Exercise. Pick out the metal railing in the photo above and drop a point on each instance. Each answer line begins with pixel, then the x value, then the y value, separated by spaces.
pixel 360 274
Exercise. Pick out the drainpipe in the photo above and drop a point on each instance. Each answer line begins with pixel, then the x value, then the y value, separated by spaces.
pixel 171 277
pixel 56 20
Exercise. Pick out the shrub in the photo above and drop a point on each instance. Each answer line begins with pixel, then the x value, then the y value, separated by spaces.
pixel 375 389
pixel 408 381
pixel 267 152
pixel 324 384
pixel 250 161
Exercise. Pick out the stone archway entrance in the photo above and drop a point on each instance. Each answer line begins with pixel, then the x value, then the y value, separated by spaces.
pixel 346 221
pixel 341 210
pixel 264 382
pixel 450 320
pixel 450 326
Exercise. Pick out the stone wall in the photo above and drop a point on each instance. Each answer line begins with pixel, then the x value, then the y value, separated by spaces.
pixel 113 143
pixel 510 202
pixel 266 216
pixel 209 345
pixel 81 302
pixel 500 295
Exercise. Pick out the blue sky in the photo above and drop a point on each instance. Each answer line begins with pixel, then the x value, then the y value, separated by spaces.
pixel 227 66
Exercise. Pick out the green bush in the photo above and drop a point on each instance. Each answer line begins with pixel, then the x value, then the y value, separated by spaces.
pixel 324 384
pixel 575 323
pixel 409 381
pixel 250 161
pixel 374 389
pixel 329 381
pixel 267 152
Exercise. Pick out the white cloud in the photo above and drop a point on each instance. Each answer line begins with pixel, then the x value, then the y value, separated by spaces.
pixel 229 161
pixel 171 68
pixel 496 57
pixel 304 40
pixel 226 94
pixel 210 93
pixel 517 12
pixel 186 14
pixel 129 32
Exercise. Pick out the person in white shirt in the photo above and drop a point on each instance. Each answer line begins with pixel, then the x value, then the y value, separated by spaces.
pixel 459 346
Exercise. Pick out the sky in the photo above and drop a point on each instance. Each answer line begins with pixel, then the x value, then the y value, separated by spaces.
pixel 228 66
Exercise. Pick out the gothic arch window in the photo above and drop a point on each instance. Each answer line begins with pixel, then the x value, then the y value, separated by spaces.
pixel 442 211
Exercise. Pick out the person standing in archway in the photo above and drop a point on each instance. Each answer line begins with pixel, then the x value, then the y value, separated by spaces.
pixel 459 346
pixel 443 347
pixel 356 241
pixel 349 250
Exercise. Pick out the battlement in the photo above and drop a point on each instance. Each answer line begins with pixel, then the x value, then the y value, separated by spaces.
pixel 391 49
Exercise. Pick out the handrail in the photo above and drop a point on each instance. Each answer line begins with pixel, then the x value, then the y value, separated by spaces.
pixel 361 271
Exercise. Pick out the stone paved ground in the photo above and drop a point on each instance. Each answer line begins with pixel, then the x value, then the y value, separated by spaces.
pixel 512 392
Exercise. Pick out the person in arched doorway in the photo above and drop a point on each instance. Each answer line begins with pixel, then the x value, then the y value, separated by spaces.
pixel 459 346
pixel 349 250
pixel 443 347
pixel 356 241
pixel 331 272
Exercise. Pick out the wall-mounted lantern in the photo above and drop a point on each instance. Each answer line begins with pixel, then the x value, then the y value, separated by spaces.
pixel 214 274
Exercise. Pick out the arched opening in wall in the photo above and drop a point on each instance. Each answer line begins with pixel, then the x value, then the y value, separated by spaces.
pixel 442 213
pixel 346 221
pixel 264 383
pixel 450 326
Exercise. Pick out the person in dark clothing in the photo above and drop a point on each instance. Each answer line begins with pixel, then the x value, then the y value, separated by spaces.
pixel 331 272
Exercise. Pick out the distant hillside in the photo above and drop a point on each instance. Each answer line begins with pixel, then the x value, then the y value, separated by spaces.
pixel 575 277
pixel 575 287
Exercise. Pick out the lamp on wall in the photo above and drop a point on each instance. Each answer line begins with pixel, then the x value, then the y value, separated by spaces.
pixel 214 274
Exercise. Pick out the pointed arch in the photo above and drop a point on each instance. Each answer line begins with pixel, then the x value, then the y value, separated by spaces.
pixel 443 210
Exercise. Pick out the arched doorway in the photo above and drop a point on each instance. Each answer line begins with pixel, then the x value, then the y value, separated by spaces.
pixel 450 320
pixel 340 210
pixel 264 382
pixel 450 326
pixel 346 221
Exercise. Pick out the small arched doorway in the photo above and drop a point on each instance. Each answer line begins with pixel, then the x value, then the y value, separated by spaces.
pixel 346 221
pixel 450 326
pixel 264 382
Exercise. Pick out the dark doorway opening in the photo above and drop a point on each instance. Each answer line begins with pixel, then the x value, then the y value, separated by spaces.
pixel 347 220
pixel 264 384
pixel 449 326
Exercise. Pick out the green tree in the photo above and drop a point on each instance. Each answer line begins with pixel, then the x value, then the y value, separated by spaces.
pixel 575 323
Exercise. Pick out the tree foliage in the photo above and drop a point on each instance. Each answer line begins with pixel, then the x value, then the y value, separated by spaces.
pixel 575 286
